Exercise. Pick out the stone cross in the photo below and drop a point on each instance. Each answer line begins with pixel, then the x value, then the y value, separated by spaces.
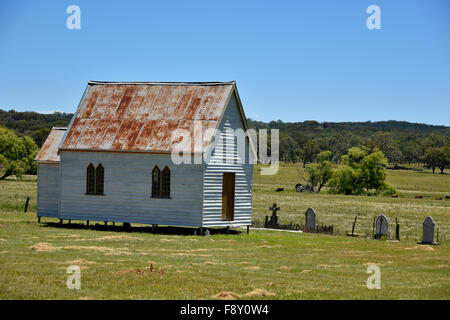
pixel 310 220
pixel 273 223
pixel 382 226
pixel 428 231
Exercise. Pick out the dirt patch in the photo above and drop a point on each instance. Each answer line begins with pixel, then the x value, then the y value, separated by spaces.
pixel 1 239
pixel 227 295
pixel 259 293
pixel 80 261
pixel 46 247
pixel 306 271
pixel 252 268
pixel 284 268
pixel 184 254
pixel 421 247
pixel 119 237
pixel 86 298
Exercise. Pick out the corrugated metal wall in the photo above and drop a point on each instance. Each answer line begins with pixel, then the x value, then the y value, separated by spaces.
pixel 219 163
pixel 127 188
pixel 48 190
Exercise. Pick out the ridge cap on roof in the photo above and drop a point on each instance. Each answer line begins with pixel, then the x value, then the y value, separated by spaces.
pixel 199 83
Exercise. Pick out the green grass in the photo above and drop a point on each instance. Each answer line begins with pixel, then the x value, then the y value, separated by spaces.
pixel 291 266
pixel 340 210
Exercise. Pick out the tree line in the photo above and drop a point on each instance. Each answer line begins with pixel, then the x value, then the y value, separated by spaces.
pixel 400 141
pixel 32 124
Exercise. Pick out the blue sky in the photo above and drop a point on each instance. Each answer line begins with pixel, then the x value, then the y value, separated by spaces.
pixel 292 60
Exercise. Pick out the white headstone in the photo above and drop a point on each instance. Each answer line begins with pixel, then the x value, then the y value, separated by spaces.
pixel 428 230
pixel 310 219
pixel 382 226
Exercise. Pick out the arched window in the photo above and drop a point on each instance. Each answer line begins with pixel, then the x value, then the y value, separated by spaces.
pixel 165 179
pixel 99 179
pixel 156 182
pixel 90 179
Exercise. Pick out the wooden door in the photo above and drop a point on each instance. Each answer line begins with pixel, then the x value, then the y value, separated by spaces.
pixel 228 196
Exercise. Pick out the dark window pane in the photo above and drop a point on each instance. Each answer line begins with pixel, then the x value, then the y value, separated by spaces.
pixel 99 175
pixel 90 183
pixel 156 182
pixel 166 183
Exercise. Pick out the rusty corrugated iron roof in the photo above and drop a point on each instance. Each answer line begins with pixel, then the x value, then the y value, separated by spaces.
pixel 141 116
pixel 49 150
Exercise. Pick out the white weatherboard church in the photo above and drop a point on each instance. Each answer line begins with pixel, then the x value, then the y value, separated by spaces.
pixel 113 163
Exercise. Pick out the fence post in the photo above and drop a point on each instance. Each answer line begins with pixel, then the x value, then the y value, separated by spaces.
pixel 397 230
pixel 26 204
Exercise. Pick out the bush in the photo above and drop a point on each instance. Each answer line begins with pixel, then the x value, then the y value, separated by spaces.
pixel 16 154
pixel 361 172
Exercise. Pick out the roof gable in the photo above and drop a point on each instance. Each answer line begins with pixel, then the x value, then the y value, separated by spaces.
pixel 142 116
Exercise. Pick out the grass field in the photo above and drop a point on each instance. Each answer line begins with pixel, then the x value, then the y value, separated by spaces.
pixel 263 265
pixel 340 210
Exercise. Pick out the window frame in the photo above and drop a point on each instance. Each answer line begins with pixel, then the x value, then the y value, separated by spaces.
pixel 93 173
pixel 158 186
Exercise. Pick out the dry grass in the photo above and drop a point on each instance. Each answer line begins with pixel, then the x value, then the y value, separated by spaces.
pixel 262 265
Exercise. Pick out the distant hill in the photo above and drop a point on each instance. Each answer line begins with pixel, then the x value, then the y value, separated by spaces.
pixel 399 140
pixel 33 124
pixel 363 128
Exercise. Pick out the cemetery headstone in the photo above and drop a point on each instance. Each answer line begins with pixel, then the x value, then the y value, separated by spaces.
pixel 273 222
pixel 428 231
pixel 310 220
pixel 381 226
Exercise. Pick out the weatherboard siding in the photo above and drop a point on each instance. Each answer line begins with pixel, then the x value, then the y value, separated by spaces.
pixel 127 189
pixel 48 190
pixel 221 162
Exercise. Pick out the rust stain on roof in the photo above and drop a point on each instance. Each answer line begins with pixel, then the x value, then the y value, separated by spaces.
pixel 143 116
pixel 49 150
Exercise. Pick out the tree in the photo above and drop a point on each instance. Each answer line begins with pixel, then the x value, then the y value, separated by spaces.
pixel 308 152
pixel 16 154
pixel 40 135
pixel 437 140
pixel 387 145
pixel 411 151
pixel 444 158
pixel 361 172
pixel 287 145
pixel 437 158
pixel 319 173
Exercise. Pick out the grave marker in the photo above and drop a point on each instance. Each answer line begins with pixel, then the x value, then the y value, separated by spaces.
pixel 273 223
pixel 310 220
pixel 381 226
pixel 428 231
